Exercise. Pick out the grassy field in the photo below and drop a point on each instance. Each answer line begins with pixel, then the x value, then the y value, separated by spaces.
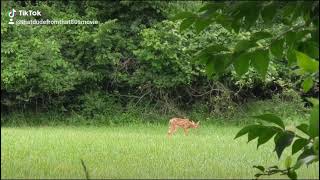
pixel 133 151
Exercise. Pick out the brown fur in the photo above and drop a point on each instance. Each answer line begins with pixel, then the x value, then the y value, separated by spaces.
pixel 184 123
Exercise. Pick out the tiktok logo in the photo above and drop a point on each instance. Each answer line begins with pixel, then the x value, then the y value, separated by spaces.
pixel 11 15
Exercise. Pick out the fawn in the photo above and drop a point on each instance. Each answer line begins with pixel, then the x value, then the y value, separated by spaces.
pixel 184 123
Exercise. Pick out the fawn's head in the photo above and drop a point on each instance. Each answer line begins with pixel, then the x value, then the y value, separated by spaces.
pixel 195 125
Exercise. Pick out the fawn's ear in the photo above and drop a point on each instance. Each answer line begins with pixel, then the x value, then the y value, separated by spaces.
pixel 198 122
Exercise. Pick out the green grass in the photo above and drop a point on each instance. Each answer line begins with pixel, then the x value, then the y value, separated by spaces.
pixel 134 151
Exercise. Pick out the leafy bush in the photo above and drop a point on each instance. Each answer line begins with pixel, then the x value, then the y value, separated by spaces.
pixel 96 103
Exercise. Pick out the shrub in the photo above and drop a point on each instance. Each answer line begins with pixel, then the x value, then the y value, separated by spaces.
pixel 96 103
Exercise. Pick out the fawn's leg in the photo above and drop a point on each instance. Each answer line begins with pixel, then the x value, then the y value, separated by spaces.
pixel 171 130
pixel 186 132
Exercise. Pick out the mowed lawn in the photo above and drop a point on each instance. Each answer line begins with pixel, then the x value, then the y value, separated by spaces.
pixel 134 151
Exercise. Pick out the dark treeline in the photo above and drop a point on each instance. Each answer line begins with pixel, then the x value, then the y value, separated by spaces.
pixel 135 56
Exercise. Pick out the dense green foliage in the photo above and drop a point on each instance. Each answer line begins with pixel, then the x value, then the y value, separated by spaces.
pixel 136 56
